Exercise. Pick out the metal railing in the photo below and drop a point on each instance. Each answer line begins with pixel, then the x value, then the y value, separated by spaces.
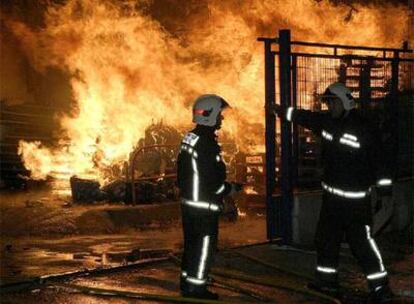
pixel 130 172
pixel 295 77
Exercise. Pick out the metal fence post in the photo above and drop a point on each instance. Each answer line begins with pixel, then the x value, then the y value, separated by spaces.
pixel 286 136
pixel 293 82
pixel 365 86
pixel 295 139
pixel 395 65
pixel 395 74
pixel 270 93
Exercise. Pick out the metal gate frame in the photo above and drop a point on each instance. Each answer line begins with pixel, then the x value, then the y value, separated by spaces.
pixel 279 209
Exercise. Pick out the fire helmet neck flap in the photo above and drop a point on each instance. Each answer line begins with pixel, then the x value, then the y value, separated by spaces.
pixel 207 109
pixel 340 91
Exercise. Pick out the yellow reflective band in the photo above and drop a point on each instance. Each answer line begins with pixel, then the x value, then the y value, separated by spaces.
pixel 196 281
pixel 384 182
pixel 346 194
pixel 350 136
pixel 375 249
pixel 326 269
pixel 221 189
pixel 289 113
pixel 327 135
pixel 195 179
pixel 202 205
pixel 203 259
pixel 348 142
pixel 377 275
pixel 190 150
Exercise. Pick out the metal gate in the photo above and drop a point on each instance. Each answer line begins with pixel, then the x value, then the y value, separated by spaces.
pixel 382 82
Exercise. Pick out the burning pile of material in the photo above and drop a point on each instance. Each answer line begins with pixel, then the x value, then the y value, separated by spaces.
pixel 149 173
pixel 131 63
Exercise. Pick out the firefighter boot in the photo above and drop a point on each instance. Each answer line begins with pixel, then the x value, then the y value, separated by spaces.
pixel 380 295
pixel 326 284
pixel 199 292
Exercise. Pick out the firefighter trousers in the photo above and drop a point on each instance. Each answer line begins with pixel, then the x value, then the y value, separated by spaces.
pixel 200 227
pixel 350 219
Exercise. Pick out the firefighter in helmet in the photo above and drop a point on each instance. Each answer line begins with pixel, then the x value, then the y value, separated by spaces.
pixel 201 175
pixel 352 164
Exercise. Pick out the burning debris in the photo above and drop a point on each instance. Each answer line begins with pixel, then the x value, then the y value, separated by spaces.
pixel 86 191
pixel 148 176
pixel 119 78
pixel 113 56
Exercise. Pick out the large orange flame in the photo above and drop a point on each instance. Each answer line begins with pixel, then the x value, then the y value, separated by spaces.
pixel 128 71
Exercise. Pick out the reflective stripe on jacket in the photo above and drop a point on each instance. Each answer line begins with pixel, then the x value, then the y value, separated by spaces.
pixel 352 157
pixel 201 172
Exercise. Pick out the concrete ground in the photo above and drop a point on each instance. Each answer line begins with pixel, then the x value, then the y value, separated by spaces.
pixel 259 273
pixel 256 274
pixel 27 257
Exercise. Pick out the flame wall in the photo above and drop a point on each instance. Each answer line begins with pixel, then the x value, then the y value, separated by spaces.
pixel 134 62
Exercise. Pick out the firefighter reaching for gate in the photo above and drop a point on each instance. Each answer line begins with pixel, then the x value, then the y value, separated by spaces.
pixel 352 163
pixel 202 183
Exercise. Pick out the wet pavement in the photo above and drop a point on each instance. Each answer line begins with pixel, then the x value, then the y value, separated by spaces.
pixel 255 274
pixel 29 257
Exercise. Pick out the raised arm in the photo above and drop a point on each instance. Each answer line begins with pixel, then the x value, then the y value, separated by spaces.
pixel 310 120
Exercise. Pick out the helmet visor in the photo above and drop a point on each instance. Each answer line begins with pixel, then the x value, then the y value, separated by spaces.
pixel 224 104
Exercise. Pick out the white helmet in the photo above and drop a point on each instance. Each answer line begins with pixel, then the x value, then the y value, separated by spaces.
pixel 339 90
pixel 207 108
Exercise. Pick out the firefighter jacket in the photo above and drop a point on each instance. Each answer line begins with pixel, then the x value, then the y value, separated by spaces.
pixel 352 157
pixel 201 172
